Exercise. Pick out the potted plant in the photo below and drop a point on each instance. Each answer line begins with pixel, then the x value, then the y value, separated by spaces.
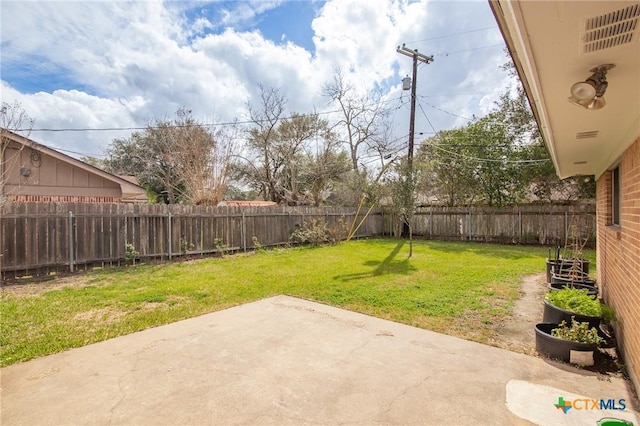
pixel 567 303
pixel 572 271
pixel 574 277
pixel 562 265
pixel 574 344
pixel 559 282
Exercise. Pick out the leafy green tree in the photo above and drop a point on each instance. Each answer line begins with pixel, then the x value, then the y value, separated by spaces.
pixel 475 164
pixel 293 160
pixel 149 155
pixel 538 174
pixel 289 153
pixel 497 160
pixel 324 165
pixel 261 169
pixel 446 175
pixel 491 154
pixel 402 185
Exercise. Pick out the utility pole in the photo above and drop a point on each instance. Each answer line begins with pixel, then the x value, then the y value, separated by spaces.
pixel 413 54
pixel 417 57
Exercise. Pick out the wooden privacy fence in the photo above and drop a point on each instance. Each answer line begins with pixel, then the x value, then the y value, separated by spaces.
pixel 40 238
pixel 527 224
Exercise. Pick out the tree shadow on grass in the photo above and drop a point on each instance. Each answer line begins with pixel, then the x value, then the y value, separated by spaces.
pixel 484 249
pixel 389 265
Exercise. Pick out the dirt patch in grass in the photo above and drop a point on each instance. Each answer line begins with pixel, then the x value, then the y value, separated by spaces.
pixel 516 333
pixel 105 316
pixel 37 288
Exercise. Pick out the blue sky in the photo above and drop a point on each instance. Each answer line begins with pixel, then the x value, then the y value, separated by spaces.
pixel 289 22
pixel 105 64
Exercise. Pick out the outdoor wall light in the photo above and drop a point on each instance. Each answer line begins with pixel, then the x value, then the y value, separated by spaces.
pixel 589 94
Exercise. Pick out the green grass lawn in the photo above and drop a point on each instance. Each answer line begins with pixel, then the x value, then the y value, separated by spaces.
pixel 462 289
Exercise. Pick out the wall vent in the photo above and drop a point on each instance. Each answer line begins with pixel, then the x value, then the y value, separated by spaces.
pixel 587 135
pixel 612 29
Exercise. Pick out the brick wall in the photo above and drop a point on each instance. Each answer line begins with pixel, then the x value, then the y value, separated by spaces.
pixel 618 256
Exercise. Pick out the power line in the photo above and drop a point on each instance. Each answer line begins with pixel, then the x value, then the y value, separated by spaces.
pixel 458 94
pixel 469 50
pixel 465 118
pixel 447 112
pixel 230 123
pixel 74 152
pixel 468 157
pixel 489 160
pixel 110 129
pixel 454 34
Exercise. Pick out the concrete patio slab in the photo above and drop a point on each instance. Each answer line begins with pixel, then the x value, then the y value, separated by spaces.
pixel 289 361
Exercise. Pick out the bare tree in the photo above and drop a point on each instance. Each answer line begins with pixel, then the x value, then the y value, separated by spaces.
pixel 383 149
pixel 180 159
pixel 13 119
pixel 191 148
pixel 205 162
pixel 360 116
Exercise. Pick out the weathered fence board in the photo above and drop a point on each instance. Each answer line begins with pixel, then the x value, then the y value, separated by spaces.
pixel 40 238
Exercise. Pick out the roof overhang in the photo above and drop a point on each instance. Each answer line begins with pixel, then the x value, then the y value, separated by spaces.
pixel 548 42
pixel 129 189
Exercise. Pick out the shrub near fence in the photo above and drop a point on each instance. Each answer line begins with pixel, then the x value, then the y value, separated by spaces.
pixel 40 238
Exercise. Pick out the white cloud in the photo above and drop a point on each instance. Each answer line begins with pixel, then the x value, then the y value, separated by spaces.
pixel 75 109
pixel 124 63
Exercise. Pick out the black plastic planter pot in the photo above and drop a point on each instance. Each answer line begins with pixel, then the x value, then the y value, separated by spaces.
pixel 553 314
pixel 560 349
pixel 581 278
pixel 564 266
pixel 591 289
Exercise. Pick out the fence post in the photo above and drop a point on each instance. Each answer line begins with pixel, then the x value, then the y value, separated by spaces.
pixel 71 241
pixel 430 223
pixel 169 237
pixel 201 236
pixel 566 225
pixel 470 225
pixel 519 227
pixel 243 230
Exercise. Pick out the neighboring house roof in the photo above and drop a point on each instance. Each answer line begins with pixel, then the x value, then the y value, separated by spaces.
pixel 130 188
pixel 130 179
pixel 243 203
pixel 554 44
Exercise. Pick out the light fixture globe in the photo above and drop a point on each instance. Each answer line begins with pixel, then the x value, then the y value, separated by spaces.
pixel 597 103
pixel 582 103
pixel 583 90
pixel 589 94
